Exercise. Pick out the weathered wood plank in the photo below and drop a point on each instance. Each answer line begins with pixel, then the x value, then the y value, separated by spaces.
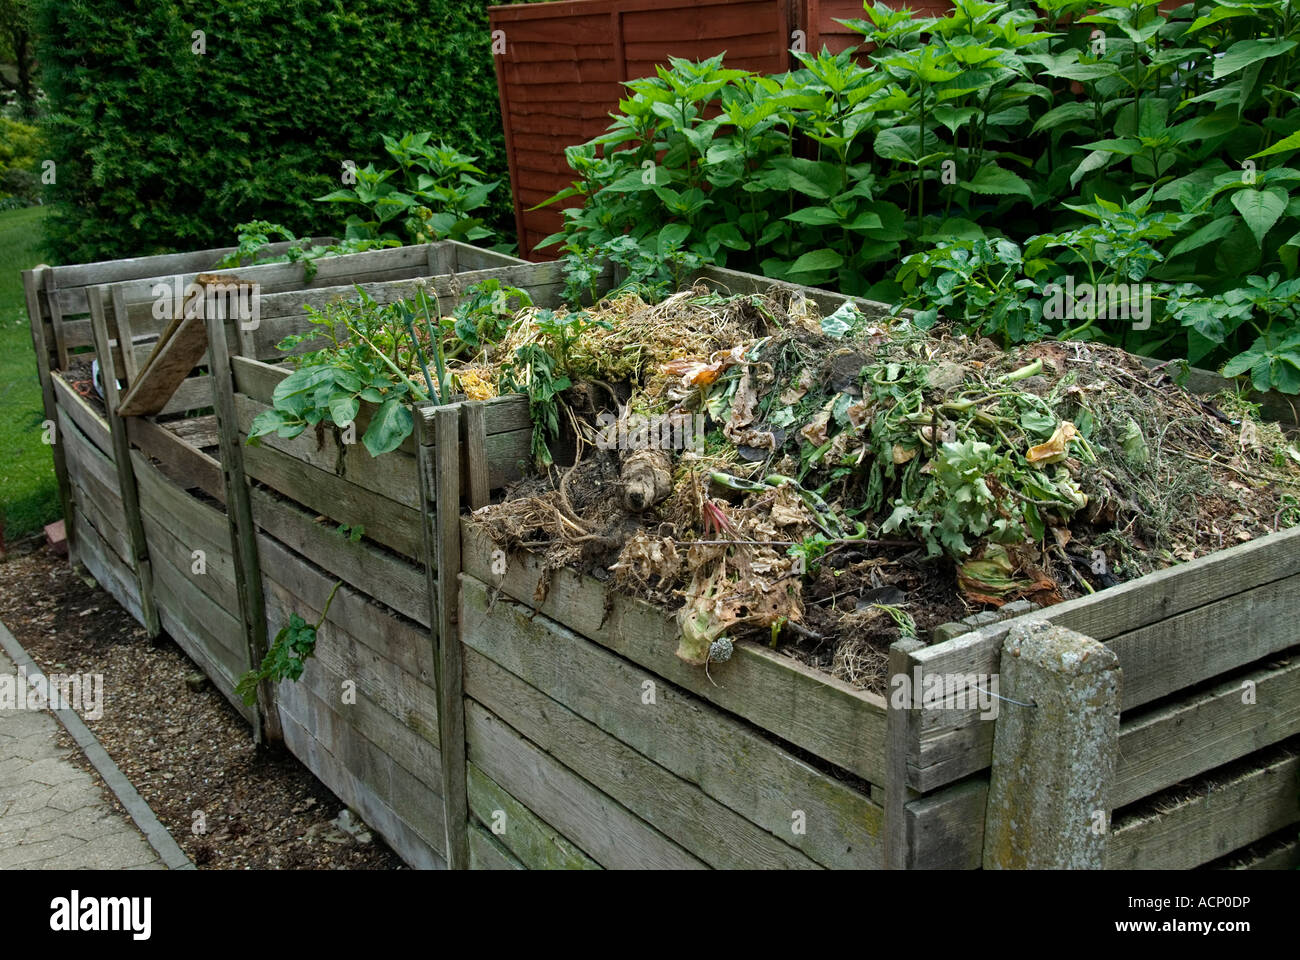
pixel 192 396
pixel 169 363
pixel 376 649
pixel 181 462
pixel 612 835
pixel 711 831
pixel 399 835
pixel 417 805
pixel 695 741
pixel 111 573
pixel 1196 830
pixel 400 584
pixel 1179 740
pixel 32 282
pixel 391 475
pixel 901 723
pixel 82 414
pixel 486 854
pixel 198 432
pixel 205 630
pixel 218 579
pixel 534 842
pixel 809 709
pixel 385 521
pixel 946 828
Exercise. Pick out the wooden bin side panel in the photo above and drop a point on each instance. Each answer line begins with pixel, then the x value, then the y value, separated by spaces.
pixel 515 658
pixel 844 726
pixel 528 840
pixel 363 716
pixel 1172 629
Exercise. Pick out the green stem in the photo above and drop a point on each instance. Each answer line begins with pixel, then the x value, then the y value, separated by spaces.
pixel 328 601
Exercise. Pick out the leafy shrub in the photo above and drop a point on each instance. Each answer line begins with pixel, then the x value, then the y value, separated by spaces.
pixel 1123 145
pixel 19 161
pixel 160 148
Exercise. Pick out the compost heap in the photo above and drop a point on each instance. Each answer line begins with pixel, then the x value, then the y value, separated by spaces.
pixel 856 482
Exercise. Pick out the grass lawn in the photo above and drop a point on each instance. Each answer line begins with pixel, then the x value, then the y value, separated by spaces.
pixel 28 492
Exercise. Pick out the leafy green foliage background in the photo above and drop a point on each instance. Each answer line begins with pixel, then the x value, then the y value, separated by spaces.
pixel 160 149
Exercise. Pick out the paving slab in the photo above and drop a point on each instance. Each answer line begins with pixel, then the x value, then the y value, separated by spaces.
pixel 54 814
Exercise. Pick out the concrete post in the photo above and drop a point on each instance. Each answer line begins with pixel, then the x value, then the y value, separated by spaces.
pixel 1053 762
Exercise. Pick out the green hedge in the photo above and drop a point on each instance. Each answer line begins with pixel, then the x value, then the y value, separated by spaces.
pixel 159 149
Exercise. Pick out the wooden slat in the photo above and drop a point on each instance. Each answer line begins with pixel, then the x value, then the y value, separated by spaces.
pixel 182 463
pixel 534 842
pixel 693 740
pixel 954 743
pixel 373 806
pixel 1189 832
pixel 1188 737
pixel 111 573
pixel 386 646
pixel 829 718
pixel 900 727
pixel 486 854
pixel 601 826
pixel 399 584
pixel 710 830
pixel 82 413
pixel 170 362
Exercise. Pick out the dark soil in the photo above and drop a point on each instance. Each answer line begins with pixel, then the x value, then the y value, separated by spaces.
pixel 187 752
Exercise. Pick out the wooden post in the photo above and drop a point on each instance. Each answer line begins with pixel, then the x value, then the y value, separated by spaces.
pixel 32 283
pixel 1055 743
pixel 474 444
pixel 439 453
pixel 122 461
pixel 243 531
pixel 901 723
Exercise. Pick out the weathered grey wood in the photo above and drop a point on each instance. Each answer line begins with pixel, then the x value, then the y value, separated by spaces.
pixel 110 572
pixel 535 843
pixel 170 362
pixel 954 744
pixel 373 807
pixel 121 325
pixel 441 464
pixel 399 584
pixel 243 531
pixel 391 475
pixel 97 498
pixel 1179 740
pixel 474 444
pixel 32 281
pixel 710 830
pixel 183 463
pixel 411 800
pixel 1284 856
pixel 1189 832
pixel 61 344
pixel 386 651
pixel 946 828
pixel 198 432
pixel 695 741
pixel 486 854
pixel 385 521
pixel 601 826
pixel 901 723
pixel 1273 405
pixel 736 283
pixel 192 396
pixel 86 417
pixel 803 706
pixel 139 556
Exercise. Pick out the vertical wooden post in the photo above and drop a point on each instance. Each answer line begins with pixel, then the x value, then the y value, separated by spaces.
pixel 122 461
pixel 901 723
pixel 474 444
pixel 32 282
pixel 439 451
pixel 243 531
pixel 1054 751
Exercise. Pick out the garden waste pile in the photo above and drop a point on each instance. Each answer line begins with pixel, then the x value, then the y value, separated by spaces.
pixel 827 484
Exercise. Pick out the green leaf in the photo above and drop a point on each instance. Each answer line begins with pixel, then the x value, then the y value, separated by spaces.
pixel 343 409
pixel 816 216
pixel 1214 230
pixel 1260 209
pixel 994 180
pixel 1245 52
pixel 1286 145
pixel 391 424
pixel 817 261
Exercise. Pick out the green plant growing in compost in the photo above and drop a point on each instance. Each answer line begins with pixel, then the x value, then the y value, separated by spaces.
pixel 287 654
pixel 255 238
